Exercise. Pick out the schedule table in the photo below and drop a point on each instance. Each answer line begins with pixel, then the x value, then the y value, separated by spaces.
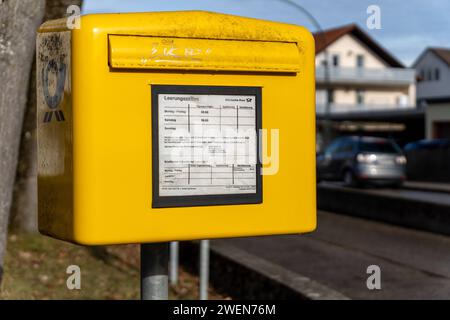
pixel 207 144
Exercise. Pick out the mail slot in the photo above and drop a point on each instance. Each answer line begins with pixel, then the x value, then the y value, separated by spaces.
pixel 169 126
pixel 202 54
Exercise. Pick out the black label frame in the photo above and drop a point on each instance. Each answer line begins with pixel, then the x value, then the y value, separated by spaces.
pixel 202 200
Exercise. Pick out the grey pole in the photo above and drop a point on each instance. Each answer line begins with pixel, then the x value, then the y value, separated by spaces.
pixel 327 123
pixel 154 271
pixel 173 263
pixel 204 269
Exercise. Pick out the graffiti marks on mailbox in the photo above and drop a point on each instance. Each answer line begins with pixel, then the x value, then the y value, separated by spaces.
pixel 166 50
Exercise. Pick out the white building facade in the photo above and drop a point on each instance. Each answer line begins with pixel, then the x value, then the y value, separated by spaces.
pixel 433 91
pixel 362 89
pixel 361 79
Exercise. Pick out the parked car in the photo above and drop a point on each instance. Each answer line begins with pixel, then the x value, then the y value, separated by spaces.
pixel 362 160
pixel 427 144
pixel 428 160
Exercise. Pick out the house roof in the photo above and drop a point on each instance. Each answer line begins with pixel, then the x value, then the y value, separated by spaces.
pixel 325 38
pixel 442 53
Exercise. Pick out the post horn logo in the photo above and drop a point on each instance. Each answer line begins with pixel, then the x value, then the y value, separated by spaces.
pixel 54 100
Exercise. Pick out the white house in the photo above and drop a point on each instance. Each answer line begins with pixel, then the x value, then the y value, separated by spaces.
pixel 363 76
pixel 363 88
pixel 433 90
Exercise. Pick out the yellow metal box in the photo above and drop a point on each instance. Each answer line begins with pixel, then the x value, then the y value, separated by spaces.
pixel 174 126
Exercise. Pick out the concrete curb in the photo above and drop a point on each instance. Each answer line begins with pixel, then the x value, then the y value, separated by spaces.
pixel 426 187
pixel 411 213
pixel 245 276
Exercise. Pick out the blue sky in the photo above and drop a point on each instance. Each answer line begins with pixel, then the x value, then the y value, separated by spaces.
pixel 407 26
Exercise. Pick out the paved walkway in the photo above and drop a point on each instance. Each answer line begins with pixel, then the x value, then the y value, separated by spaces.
pixel 414 264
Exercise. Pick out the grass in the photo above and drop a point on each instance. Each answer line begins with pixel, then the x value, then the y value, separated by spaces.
pixel 35 268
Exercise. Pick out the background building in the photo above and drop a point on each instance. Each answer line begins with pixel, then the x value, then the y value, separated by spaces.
pixel 433 90
pixel 369 90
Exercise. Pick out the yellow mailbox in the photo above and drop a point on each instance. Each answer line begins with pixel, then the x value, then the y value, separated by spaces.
pixel 174 126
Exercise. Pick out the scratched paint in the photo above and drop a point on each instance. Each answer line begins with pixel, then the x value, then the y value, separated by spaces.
pixel 54 127
pixel 53 99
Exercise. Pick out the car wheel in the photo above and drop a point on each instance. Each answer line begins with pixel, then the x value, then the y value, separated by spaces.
pixel 349 178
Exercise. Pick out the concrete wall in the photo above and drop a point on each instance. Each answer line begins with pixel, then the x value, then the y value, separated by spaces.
pixel 403 211
pixel 433 113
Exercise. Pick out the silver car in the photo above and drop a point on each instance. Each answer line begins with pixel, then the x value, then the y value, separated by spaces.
pixel 362 160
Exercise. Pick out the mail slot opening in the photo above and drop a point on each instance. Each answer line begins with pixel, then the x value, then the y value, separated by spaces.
pixel 142 52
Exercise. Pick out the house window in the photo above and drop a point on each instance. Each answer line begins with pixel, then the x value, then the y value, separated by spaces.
pixel 330 96
pixel 437 75
pixel 429 75
pixel 359 96
pixel 360 61
pixel 422 75
pixel 335 60
pixel 321 96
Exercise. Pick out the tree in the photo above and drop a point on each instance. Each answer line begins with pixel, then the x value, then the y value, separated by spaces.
pixel 19 20
pixel 24 206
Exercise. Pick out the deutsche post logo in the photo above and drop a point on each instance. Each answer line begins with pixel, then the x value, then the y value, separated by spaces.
pixel 54 100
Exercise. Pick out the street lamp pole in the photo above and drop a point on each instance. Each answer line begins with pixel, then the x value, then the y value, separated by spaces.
pixel 322 37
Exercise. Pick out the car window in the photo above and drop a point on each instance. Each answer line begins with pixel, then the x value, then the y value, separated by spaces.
pixel 345 146
pixel 333 146
pixel 379 146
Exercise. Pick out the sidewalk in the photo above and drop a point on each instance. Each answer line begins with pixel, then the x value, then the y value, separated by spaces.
pixel 246 276
pixel 414 264
pixel 427 186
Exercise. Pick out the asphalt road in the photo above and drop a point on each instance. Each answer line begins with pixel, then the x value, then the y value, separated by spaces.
pixel 414 264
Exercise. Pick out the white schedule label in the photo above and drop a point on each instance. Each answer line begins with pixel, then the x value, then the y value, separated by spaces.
pixel 207 144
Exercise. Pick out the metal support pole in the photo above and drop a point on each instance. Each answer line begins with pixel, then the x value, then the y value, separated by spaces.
pixel 173 263
pixel 204 269
pixel 154 271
